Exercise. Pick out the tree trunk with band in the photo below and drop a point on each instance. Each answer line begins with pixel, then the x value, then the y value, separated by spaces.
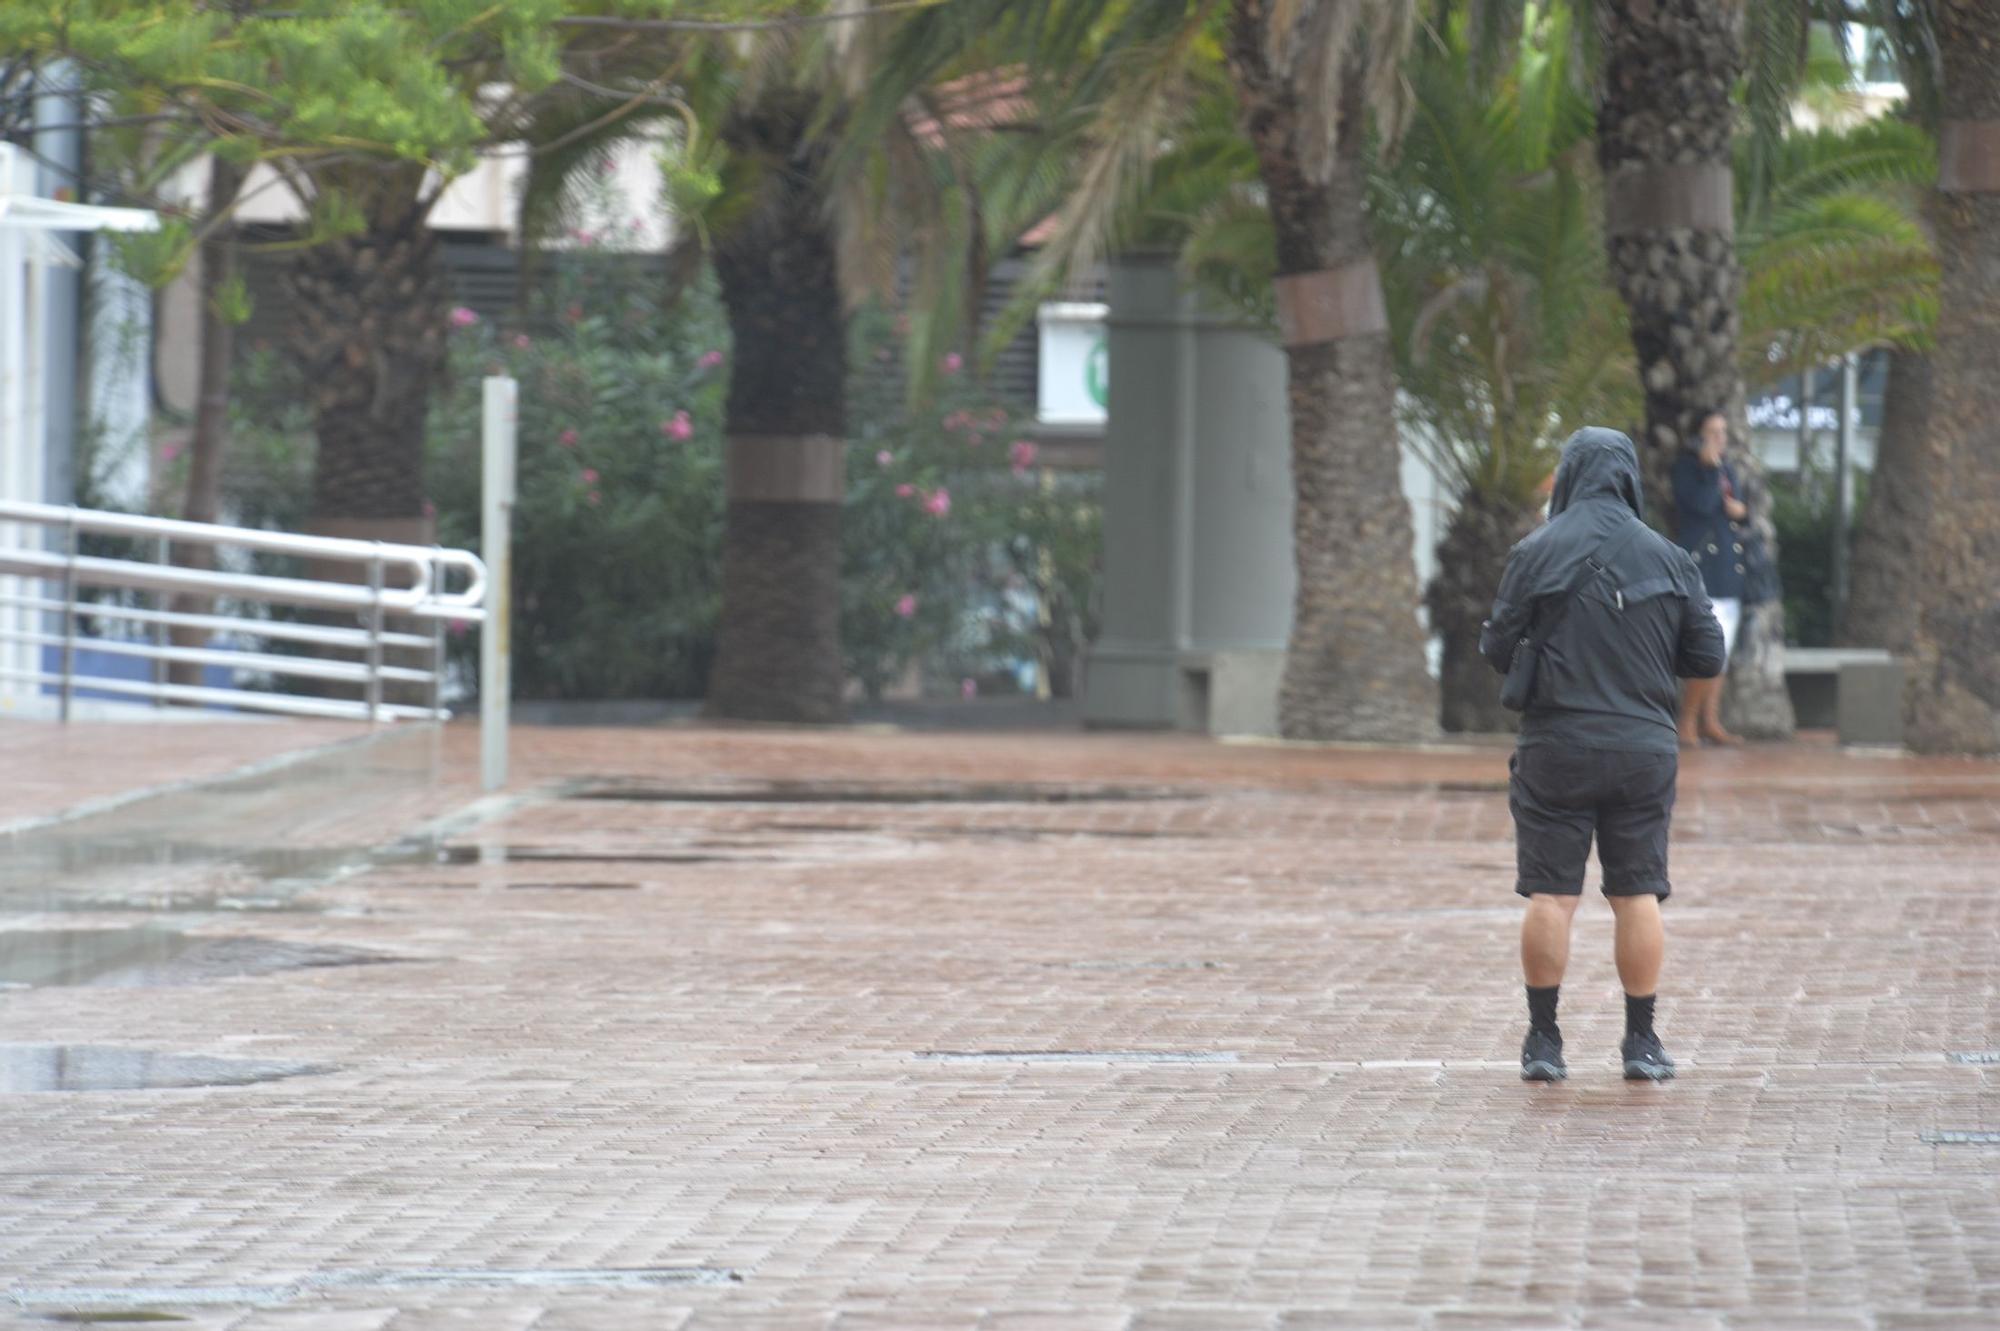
pixel 1953 699
pixel 1664 120
pixel 778 645
pixel 1355 668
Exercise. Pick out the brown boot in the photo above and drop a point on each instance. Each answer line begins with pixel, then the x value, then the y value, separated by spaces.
pixel 1691 694
pixel 1711 714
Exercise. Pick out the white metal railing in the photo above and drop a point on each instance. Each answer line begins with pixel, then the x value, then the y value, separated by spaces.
pixel 40 547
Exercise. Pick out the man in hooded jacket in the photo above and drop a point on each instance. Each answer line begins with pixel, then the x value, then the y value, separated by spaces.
pixel 1598 752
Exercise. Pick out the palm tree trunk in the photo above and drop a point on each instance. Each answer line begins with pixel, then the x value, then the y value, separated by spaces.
pixel 1474 550
pixel 777 654
pixel 1886 565
pixel 1355 668
pixel 1663 139
pixel 203 500
pixel 1953 699
pixel 367 330
pixel 368 325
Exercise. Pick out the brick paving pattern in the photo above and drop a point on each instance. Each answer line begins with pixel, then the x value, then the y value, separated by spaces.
pixel 876 1030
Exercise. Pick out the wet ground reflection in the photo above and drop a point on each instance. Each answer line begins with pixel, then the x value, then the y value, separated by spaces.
pixel 70 1067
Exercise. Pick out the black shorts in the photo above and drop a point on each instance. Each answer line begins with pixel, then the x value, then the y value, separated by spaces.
pixel 1560 796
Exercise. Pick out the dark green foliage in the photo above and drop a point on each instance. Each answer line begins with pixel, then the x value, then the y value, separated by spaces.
pixel 1802 509
pixel 618 527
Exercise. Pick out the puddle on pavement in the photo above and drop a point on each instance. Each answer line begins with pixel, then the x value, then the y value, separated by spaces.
pixel 28 1069
pixel 126 958
pixel 100 1300
pixel 243 843
pixel 873 792
pixel 492 854
pixel 111 1317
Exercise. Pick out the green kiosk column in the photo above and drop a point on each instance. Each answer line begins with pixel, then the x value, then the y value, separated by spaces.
pixel 1198 571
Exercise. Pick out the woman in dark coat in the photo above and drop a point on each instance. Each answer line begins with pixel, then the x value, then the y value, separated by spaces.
pixel 1709 522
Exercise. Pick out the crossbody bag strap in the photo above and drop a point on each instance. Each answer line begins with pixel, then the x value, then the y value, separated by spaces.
pixel 1593 564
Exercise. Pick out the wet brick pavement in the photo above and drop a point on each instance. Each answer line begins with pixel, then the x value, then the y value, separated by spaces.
pixel 47 769
pixel 788 1064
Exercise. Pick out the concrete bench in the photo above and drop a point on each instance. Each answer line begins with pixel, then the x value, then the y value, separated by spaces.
pixel 1856 691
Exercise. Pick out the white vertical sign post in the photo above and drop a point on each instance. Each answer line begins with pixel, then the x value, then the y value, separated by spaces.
pixel 496 675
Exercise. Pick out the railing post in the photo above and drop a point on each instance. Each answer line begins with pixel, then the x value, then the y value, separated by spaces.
pixel 375 639
pixel 69 616
pixel 437 647
pixel 496 685
pixel 164 603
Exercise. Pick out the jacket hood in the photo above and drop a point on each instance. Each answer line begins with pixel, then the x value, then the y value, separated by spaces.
pixel 1598 464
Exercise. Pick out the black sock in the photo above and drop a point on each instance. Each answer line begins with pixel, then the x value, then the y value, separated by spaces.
pixel 1542 1008
pixel 1639 1014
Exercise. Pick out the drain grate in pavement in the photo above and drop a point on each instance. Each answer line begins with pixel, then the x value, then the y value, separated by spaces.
pixel 1073 1056
pixel 1059 834
pixel 871 792
pixel 1131 965
pixel 1955 1138
pixel 1976 1056
pixel 34 958
pixel 78 1297
pixel 71 1067
pixel 588 886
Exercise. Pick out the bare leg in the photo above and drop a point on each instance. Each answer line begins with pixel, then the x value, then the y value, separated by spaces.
pixel 1711 713
pixel 1691 702
pixel 1545 938
pixel 1641 943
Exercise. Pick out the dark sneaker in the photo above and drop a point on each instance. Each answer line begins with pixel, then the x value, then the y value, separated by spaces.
pixel 1542 1056
pixel 1645 1060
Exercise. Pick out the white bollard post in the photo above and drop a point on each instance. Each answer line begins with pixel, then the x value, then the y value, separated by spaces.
pixel 496 676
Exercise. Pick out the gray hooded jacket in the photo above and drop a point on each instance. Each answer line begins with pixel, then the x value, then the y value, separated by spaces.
pixel 1607 674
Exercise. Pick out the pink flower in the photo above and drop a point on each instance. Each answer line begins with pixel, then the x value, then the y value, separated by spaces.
pixel 958 420
pixel 522 342
pixel 607 167
pixel 593 498
pixel 968 689
pixel 574 314
pixel 884 458
pixel 906 606
pixel 679 428
pixel 709 360
pixel 952 362
pixel 170 452
pixel 996 418
pixel 905 490
pixel 590 475
pixel 1022 454
pixel 461 317
pixel 939 503
pixel 567 438
pixel 458 627
pixel 581 236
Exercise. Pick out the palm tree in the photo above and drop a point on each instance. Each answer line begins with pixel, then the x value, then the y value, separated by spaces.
pixel 1309 79
pixel 802 220
pixel 1507 336
pixel 1953 703
pixel 1665 122
pixel 1931 532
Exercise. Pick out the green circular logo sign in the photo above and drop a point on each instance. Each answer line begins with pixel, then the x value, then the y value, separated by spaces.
pixel 1097 372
